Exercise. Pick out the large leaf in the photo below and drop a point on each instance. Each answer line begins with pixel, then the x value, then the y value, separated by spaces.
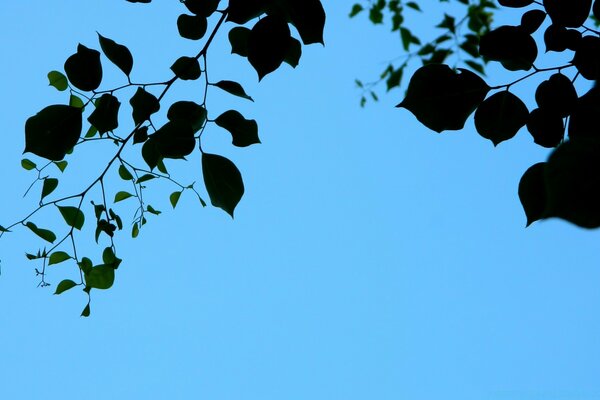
pixel 443 99
pixel 500 117
pixel 203 8
pixel 242 11
pixel 64 285
pixel 532 192
pixel 223 182
pixel 100 277
pixel 268 44
pixel 175 139
pixel 587 57
pixel 511 45
pixel 556 95
pixel 546 127
pixel 243 131
pixel 189 112
pixel 84 69
pixel 117 54
pixel 186 68
pixel 308 17
pixel 238 38
pixel 569 13
pixel 53 131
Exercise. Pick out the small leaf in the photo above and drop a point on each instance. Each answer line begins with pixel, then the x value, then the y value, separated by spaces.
pixel 86 265
pixel 61 165
pixel 75 101
pixel 294 53
pixel 3 229
pixel 110 259
pixel 238 38
pixel 72 216
pixel 58 257
pixel 234 88
pixel 117 54
pixel 186 68
pixel 151 210
pixel 223 182
pixel 120 196
pixel 124 173
pixel 174 198
pixel 356 8
pixel 50 184
pixel 244 131
pixel 64 285
pixel 45 234
pixel 135 231
pixel 58 80
pixel 144 105
pixel 86 310
pixel 28 164
pixel 192 27
pixel 145 178
pixel 105 117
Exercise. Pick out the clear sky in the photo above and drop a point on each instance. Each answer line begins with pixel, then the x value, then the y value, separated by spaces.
pixel 369 259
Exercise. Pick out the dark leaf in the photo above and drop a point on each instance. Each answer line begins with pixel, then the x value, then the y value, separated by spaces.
pixel 238 38
pixel 144 105
pixel 189 112
pixel 268 44
pixel 100 277
pixel 140 135
pixel 515 3
pixel 546 127
pixel 192 27
pixel 243 131
pixel 308 17
pixel 584 120
pixel 84 69
pixel 58 80
pixel 234 88
pixel 186 68
pixel 150 153
pixel 58 257
pixel 500 117
pixel 124 173
pixel 53 131
pixel 204 8
pixel 45 234
pixel 72 216
pixel 443 99
pixel 223 182
pixel 28 164
pixel 556 95
pixel 587 57
pixel 532 20
pixel 294 53
pixel 120 196
pixel 174 198
pixel 175 139
pixel 105 117
pixel 117 54
pixel 242 11
pixel 556 38
pixel 510 45
pixel 571 13
pixel 50 184
pixel 532 192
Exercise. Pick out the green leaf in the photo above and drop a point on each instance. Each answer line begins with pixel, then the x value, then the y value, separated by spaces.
pixel 110 259
pixel 3 229
pixel 356 8
pixel 58 257
pixel 45 234
pixel 120 196
pixel 443 99
pixel 28 164
pixel 75 101
pixel 135 231
pixel 58 80
pixel 234 88
pixel 144 105
pixel 145 178
pixel 223 182
pixel 72 216
pixel 150 153
pixel 174 198
pixel 186 68
pixel 124 173
pixel 151 210
pixel 61 165
pixel 86 310
pixel 105 117
pixel 84 69
pixel 192 27
pixel 91 132
pixel 244 131
pixel 64 285
pixel 50 184
pixel 53 131
pixel 86 265
pixel 100 277
pixel 117 54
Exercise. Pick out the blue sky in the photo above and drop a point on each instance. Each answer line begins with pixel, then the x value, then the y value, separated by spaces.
pixel 369 259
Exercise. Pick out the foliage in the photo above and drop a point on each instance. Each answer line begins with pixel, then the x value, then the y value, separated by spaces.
pixel 259 31
pixel 565 119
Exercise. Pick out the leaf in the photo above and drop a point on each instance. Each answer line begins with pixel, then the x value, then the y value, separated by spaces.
pixel 58 257
pixel 64 285
pixel 308 16
pixel 45 234
pixel 515 3
pixel 84 69
pixel 72 216
pixel 532 192
pixel 583 121
pixel 85 265
pixel 53 131
pixel 124 173
pixel 532 20
pixel 100 277
pixel 294 53
pixel 243 131
pixel 174 198
pixel 573 182
pixel 75 101
pixel 151 210
pixel 442 99
pixel 140 135
pixel 510 45
pixel 188 112
pixel 546 127
pixel 557 95
pixel 242 11
pixel 356 8
pixel 3 229
pixel 135 231
pixel 186 68
pixel 145 178
pixel 587 57
pixel 49 185
pixel 105 117
pixel 175 139
pixel 223 182
pixel 234 88
pixel 500 117
pixel 150 153
pixel 117 54
pixel 28 164
pixel 58 80
pixel 61 165
pixel 268 44
pixel 204 8
pixel 86 310
pixel 572 13
pixel 120 196
pixel 110 259
pixel 144 105
pixel 192 27
pixel 238 38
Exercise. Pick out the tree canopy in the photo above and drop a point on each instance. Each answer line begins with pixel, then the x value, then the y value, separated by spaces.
pixel 269 33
